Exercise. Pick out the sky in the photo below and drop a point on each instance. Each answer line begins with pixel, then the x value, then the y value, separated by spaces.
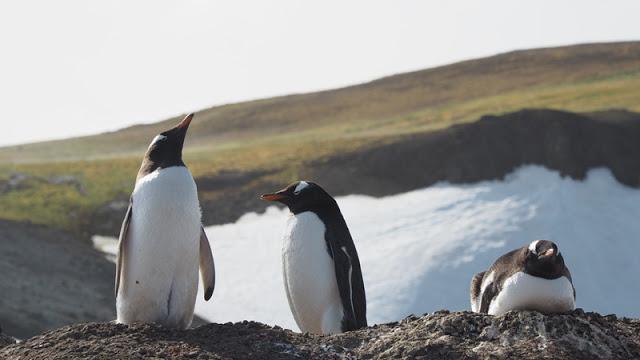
pixel 77 67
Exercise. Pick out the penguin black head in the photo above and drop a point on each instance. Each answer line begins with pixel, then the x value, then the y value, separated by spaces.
pixel 544 260
pixel 302 196
pixel 165 149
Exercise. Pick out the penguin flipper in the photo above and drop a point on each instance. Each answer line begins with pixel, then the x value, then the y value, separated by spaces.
pixel 489 293
pixel 474 290
pixel 207 267
pixel 122 245
pixel 349 279
pixel 566 273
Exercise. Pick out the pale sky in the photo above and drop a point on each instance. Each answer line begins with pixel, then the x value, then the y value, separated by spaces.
pixel 79 67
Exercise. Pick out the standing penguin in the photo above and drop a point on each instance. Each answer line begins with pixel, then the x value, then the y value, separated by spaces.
pixel 322 276
pixel 533 277
pixel 161 240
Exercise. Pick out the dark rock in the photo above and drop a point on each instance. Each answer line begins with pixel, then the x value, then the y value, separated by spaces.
pixel 107 219
pixel 17 181
pixel 457 335
pixel 5 340
pixel 69 180
pixel 490 149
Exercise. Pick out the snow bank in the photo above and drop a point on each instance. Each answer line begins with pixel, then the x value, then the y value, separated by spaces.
pixel 419 249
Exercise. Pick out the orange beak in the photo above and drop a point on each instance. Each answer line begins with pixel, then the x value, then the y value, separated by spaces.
pixel 273 197
pixel 184 124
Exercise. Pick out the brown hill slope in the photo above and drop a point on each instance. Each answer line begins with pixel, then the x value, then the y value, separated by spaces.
pixel 487 149
pixel 578 78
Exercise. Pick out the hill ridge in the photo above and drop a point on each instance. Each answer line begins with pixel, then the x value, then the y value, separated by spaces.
pixel 417 101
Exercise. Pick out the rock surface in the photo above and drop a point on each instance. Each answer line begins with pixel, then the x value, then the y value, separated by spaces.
pixel 460 335
pixel 6 340
pixel 490 149
pixel 51 279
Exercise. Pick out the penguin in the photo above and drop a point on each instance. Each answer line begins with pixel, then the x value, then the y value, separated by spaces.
pixel 533 277
pixel 162 239
pixel 321 269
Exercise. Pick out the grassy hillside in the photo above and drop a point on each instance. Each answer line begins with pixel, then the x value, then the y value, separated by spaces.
pixel 278 138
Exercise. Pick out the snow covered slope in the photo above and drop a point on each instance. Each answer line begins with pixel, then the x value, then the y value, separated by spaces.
pixel 419 249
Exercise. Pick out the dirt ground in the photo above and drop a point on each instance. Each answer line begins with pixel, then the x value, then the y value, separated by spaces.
pixel 442 335
pixel 50 279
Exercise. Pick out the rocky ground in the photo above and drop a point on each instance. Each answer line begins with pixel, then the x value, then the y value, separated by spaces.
pixel 442 335
pixel 50 279
pixel 5 340
pixel 490 149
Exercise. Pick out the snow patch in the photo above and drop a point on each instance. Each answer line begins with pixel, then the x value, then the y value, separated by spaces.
pixel 419 250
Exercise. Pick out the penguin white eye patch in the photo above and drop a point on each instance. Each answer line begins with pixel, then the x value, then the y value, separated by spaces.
pixel 533 245
pixel 158 138
pixel 301 186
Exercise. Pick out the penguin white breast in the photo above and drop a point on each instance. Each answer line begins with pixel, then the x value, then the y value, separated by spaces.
pixel 525 292
pixel 161 266
pixel 166 211
pixel 309 276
